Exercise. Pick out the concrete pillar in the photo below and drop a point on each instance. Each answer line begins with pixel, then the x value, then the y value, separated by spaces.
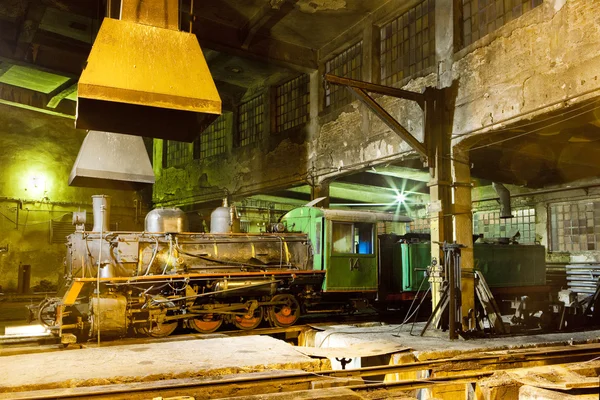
pixel 438 131
pixel 463 230
pixel 320 189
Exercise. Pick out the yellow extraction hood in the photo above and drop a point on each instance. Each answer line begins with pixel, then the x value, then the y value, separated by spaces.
pixel 145 77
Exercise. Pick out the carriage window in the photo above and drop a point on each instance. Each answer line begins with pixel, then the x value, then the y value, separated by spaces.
pixel 363 238
pixel 342 237
pixel 352 238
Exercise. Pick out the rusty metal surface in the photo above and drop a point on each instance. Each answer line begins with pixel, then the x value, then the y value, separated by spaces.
pixel 161 13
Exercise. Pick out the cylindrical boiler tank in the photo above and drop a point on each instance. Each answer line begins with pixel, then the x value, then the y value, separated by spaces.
pixel 166 220
pixel 101 207
pixel 220 220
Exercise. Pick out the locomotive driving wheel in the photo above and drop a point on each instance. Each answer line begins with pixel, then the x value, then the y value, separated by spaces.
pixel 284 314
pixel 250 320
pixel 159 329
pixel 47 312
pixel 206 323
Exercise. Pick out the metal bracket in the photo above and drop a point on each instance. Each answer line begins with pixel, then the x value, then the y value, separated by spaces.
pixel 359 88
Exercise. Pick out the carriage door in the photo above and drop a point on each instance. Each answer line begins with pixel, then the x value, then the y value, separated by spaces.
pixel 353 261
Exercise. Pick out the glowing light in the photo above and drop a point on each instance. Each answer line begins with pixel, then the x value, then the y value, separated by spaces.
pixel 400 197
pixel 37 185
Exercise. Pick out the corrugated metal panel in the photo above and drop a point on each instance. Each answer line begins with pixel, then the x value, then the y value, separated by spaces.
pixel 59 230
pixel 583 278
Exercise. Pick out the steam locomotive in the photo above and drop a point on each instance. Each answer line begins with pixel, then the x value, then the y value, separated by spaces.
pixel 314 260
pixel 150 282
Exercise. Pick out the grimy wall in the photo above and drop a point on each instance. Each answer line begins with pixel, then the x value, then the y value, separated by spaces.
pixel 37 154
pixel 544 60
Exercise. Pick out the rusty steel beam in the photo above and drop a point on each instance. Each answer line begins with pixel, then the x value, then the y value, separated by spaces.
pixel 390 121
pixel 374 88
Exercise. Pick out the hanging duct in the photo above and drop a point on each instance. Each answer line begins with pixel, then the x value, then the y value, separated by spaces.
pixel 112 161
pixel 144 77
pixel 504 195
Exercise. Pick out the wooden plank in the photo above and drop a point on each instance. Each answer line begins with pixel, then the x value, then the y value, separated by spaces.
pixel 489 304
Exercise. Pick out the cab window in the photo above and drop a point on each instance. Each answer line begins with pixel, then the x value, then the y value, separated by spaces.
pixel 356 238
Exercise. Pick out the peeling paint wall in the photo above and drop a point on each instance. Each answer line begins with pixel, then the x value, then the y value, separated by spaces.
pixel 548 56
pixel 37 155
pixel 542 61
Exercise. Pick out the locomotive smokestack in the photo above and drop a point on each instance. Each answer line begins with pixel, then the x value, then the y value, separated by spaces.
pixel 101 206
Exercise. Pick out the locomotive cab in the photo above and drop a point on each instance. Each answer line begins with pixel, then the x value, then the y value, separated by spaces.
pixel 344 244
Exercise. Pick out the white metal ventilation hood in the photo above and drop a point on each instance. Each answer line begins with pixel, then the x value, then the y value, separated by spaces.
pixel 145 77
pixel 112 161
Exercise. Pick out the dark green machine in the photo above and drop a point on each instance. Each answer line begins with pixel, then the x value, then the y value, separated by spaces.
pixel 346 245
pixel 404 265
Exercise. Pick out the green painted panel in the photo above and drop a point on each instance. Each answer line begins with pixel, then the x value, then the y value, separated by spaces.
pixel 309 220
pixel 32 79
pixel 356 269
pixel 416 257
pixel 511 265
pixel 352 272
pixel 501 265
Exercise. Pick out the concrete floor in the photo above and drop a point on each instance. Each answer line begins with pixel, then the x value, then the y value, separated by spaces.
pixel 435 344
pixel 229 355
pixel 344 335
pixel 149 362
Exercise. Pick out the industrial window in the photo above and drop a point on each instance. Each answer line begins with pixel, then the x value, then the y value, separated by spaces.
pixel 491 225
pixel 347 64
pixel 293 103
pixel 176 154
pixel 575 226
pixel 481 17
pixel 251 115
pixel 352 238
pixel 211 142
pixel 408 43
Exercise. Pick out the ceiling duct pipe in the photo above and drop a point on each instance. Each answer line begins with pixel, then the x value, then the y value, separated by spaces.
pixel 112 161
pixel 144 77
pixel 504 195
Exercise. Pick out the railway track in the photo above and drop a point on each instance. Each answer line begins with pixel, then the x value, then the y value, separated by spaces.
pixel 462 369
pixel 42 344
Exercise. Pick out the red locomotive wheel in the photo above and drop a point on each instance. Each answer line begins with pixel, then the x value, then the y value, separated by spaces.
pixel 247 322
pixel 160 330
pixel 206 323
pixel 286 314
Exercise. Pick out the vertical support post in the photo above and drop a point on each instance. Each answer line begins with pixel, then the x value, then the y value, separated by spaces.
pixel 450 261
pixel 24 281
pixel 438 146
pixel 463 231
